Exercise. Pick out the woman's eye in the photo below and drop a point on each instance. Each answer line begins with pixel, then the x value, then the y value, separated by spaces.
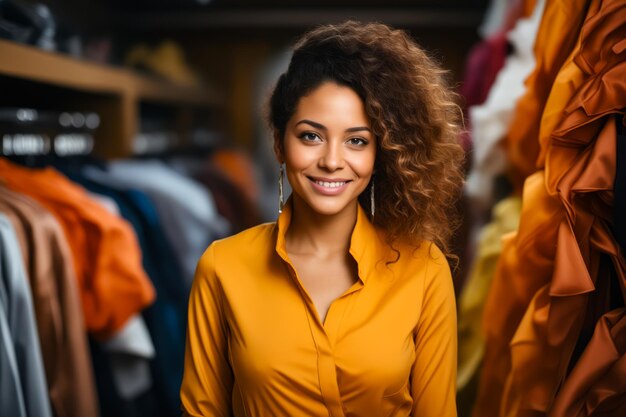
pixel 357 141
pixel 309 137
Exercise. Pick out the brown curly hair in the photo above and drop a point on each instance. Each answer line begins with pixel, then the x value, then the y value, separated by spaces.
pixel 413 113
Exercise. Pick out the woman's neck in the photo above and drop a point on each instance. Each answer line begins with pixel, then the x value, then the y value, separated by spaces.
pixel 311 233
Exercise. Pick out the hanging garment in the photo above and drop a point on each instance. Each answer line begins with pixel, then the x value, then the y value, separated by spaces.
pixel 192 220
pixel 580 169
pixel 239 168
pixel 596 385
pixel 484 61
pixel 472 300
pixel 165 318
pixel 509 295
pixel 231 202
pixel 491 120
pixel 131 347
pixel 23 390
pixel 564 257
pixel 502 14
pixel 107 259
pixel 556 37
pixel 58 312
pixel 11 396
pixel 256 345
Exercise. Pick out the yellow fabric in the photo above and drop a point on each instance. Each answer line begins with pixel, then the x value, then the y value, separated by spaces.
pixel 506 215
pixel 256 345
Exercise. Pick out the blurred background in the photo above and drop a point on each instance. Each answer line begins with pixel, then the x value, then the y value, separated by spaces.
pixel 223 55
pixel 132 134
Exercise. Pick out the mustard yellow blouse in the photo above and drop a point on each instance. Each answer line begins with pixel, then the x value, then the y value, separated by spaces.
pixel 256 345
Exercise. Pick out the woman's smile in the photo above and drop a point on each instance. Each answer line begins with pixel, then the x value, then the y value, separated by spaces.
pixel 329 186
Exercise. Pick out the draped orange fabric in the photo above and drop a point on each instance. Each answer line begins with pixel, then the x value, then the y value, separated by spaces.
pixel 527 7
pixel 597 382
pixel 546 337
pixel 556 37
pixel 564 253
pixel 525 266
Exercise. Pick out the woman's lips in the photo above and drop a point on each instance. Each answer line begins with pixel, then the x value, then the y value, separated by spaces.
pixel 329 186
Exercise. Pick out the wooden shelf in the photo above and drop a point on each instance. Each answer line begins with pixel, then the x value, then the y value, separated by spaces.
pixel 115 93
pixel 26 62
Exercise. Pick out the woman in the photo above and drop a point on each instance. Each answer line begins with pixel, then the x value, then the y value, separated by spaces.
pixel 345 305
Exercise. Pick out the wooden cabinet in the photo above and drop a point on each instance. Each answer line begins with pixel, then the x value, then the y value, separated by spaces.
pixel 30 77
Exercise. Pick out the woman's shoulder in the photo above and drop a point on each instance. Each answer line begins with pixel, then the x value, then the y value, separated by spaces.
pixel 259 234
pixel 422 260
pixel 424 251
pixel 249 242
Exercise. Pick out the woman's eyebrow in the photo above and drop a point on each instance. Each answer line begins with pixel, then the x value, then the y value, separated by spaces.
pixel 312 123
pixel 358 129
pixel 322 127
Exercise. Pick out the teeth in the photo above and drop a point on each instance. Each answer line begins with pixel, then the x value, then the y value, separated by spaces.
pixel 330 184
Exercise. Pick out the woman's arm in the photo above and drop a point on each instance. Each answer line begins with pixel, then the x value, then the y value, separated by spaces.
pixel 433 376
pixel 208 380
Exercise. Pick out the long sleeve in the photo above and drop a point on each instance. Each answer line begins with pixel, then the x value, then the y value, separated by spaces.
pixel 433 377
pixel 208 381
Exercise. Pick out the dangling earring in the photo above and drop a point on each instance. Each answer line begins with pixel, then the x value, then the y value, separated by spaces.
pixel 281 201
pixel 372 207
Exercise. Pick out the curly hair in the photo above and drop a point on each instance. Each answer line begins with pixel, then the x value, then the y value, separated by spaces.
pixel 413 114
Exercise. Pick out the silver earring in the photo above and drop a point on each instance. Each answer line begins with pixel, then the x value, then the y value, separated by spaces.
pixel 281 201
pixel 372 207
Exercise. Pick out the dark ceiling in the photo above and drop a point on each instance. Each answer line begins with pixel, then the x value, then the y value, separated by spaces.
pixel 134 16
pixel 152 5
pixel 194 14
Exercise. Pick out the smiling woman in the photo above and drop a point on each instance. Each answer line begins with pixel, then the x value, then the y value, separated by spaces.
pixel 345 305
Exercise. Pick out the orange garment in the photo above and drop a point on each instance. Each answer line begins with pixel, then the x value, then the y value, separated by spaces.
pixel 524 267
pixel 556 38
pixel 107 258
pixel 256 345
pixel 605 362
pixel 544 341
pixel 580 168
pixel 536 306
pixel 527 7
pixel 239 169
pixel 564 252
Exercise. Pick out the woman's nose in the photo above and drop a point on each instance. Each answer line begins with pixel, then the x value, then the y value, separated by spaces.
pixel 332 158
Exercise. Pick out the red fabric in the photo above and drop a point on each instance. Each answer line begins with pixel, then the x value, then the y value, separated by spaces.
pixel 484 62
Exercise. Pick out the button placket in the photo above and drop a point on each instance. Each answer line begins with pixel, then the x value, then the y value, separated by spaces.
pixel 327 372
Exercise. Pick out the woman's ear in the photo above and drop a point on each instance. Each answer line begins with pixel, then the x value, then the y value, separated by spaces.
pixel 278 146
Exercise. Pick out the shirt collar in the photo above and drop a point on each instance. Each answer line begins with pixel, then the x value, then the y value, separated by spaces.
pixel 367 246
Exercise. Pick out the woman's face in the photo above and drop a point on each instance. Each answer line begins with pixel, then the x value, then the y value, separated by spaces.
pixel 329 149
